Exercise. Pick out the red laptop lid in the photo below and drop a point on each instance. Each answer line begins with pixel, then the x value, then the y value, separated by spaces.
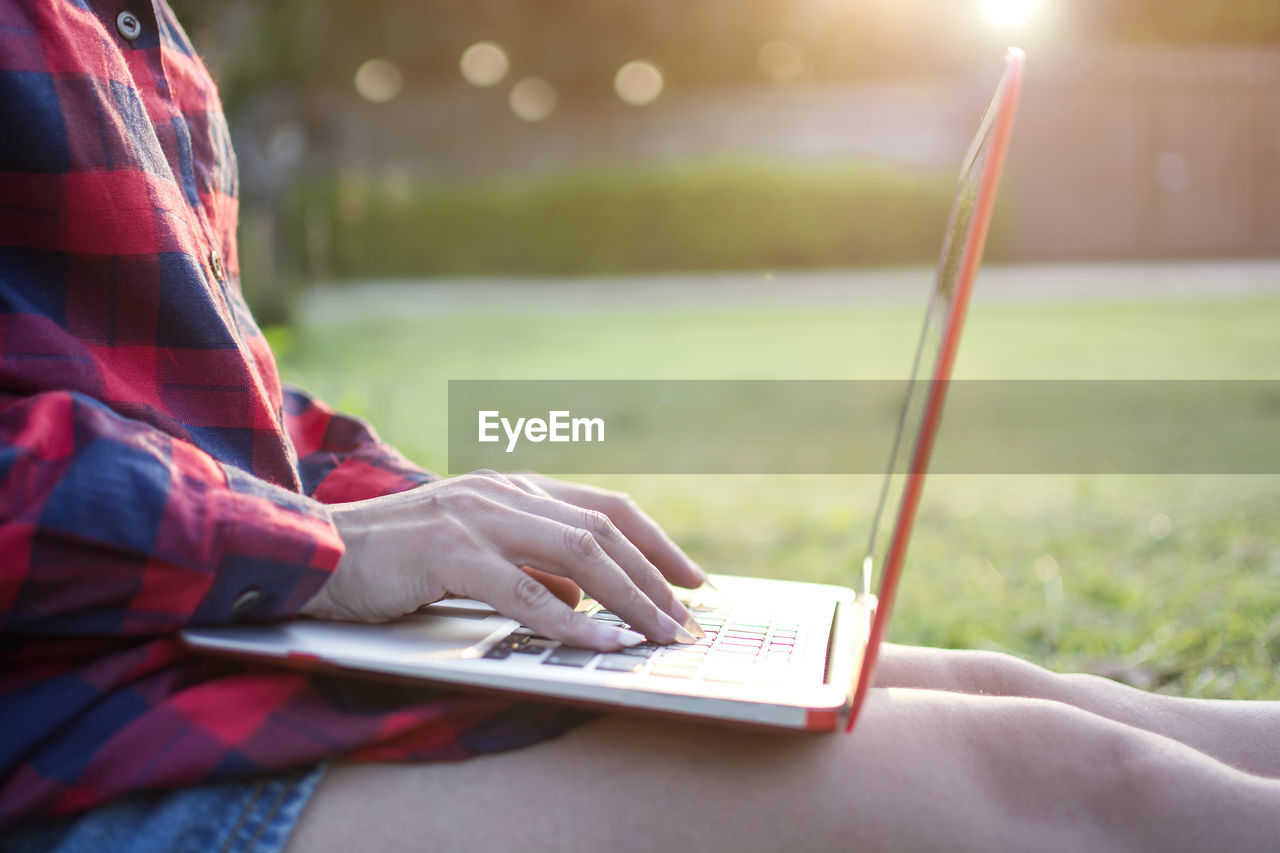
pixel 927 390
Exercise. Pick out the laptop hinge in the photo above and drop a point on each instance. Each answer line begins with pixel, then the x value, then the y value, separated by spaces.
pixel 836 618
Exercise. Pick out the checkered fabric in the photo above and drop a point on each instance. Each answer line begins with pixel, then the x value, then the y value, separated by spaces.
pixel 152 469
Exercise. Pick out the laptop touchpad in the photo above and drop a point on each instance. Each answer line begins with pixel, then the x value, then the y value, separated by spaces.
pixel 422 636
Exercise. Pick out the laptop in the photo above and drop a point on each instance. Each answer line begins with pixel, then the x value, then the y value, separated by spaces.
pixel 777 653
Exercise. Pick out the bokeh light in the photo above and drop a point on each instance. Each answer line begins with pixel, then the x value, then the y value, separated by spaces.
pixel 780 61
pixel 639 82
pixel 533 99
pixel 379 81
pixel 286 145
pixel 484 64
pixel 1008 14
pixel 1160 526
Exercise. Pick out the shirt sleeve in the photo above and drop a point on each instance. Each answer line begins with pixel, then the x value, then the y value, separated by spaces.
pixel 111 526
pixel 340 457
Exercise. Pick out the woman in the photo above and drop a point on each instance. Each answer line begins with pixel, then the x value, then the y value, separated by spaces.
pixel 155 474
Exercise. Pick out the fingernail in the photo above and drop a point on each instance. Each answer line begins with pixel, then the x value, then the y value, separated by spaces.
pixel 683 636
pixel 691 625
pixel 706 581
pixel 674 630
pixel 628 638
pixel 679 612
pixel 611 637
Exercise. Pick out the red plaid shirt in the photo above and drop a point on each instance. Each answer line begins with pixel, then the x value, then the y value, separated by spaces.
pixel 153 472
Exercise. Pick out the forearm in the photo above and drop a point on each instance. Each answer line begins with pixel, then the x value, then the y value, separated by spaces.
pixel 111 526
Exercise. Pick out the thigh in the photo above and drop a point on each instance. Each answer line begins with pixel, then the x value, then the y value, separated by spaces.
pixel 924 770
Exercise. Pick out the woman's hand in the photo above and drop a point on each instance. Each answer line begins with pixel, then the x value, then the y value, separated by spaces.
pixel 469 536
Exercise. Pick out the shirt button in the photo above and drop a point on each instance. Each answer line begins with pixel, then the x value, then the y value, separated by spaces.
pixel 129 25
pixel 246 601
pixel 215 264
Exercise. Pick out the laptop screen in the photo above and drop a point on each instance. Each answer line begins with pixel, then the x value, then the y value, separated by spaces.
pixel 924 368
pixel 935 354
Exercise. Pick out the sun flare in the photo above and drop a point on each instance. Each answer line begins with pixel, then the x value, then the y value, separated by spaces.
pixel 1007 14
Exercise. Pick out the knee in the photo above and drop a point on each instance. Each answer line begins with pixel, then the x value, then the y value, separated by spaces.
pixel 1001 674
pixel 998 674
pixel 977 672
pixel 1058 764
pixel 1147 780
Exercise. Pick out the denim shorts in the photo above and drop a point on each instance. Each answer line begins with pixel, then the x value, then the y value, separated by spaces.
pixel 249 816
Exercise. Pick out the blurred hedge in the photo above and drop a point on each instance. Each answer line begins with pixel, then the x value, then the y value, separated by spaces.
pixel 709 216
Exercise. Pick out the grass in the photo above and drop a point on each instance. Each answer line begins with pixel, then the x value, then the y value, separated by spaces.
pixel 1167 581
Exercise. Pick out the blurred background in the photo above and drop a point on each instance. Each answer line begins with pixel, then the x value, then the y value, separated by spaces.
pixel 710 189
pixel 443 137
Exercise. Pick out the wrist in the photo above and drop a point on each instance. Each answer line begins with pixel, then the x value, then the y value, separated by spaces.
pixel 323 605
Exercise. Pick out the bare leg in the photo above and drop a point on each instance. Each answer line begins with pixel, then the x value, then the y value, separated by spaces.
pixel 1245 735
pixel 924 770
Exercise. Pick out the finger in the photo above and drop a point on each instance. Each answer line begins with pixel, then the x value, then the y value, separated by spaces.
pixel 534 539
pixel 635 524
pixel 652 541
pixel 524 493
pixel 519 596
pixel 633 561
pixel 528 484
pixel 622 552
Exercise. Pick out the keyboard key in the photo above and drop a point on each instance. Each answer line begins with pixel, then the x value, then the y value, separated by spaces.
pixel 680 659
pixel 533 647
pixel 620 663
pixel 512 642
pixel 670 671
pixel 728 673
pixel 569 656
pixel 643 650
pixel 498 652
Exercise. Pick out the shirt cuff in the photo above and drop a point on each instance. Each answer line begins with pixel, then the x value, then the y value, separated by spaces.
pixel 277 552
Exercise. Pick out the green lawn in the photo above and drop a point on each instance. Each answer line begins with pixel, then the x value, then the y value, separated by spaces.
pixel 1171 580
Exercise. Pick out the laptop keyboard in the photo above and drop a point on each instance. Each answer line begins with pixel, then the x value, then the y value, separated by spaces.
pixel 742 645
